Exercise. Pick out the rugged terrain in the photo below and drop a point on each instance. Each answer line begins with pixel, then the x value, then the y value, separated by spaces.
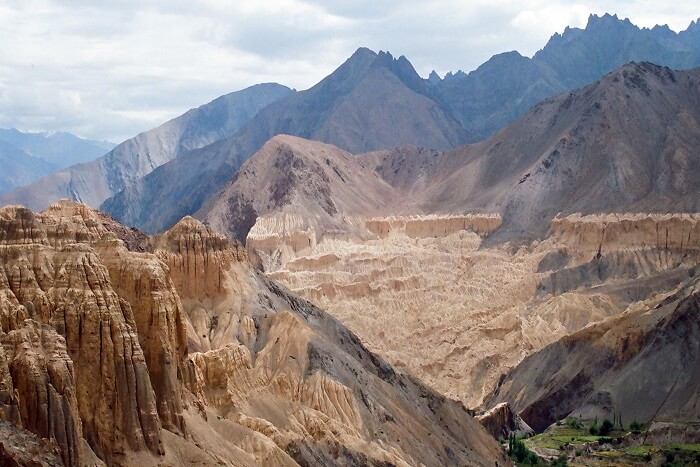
pixel 624 143
pixel 508 265
pixel 642 365
pixel 509 84
pixel 372 101
pixel 378 102
pixel 182 353
pixel 438 303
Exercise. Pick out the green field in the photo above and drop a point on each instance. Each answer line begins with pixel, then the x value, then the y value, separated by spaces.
pixel 561 436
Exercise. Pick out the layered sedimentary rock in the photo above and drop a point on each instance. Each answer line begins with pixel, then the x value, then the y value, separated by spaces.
pixel 186 354
pixel 67 287
pixel 42 375
pixel 433 225
pixel 501 421
pixel 302 387
pixel 601 233
pixel 459 315
pixel 143 282
pixel 641 365
pixel 277 239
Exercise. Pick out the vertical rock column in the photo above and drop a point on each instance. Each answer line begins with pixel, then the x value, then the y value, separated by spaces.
pixel 43 376
pixel 142 280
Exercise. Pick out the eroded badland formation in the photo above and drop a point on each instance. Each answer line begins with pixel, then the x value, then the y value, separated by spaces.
pixel 184 354
pixel 328 301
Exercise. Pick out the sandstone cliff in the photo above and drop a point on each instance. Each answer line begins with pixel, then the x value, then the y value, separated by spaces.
pixel 186 354
pixel 501 421
pixel 302 385
pixel 66 286
pixel 438 303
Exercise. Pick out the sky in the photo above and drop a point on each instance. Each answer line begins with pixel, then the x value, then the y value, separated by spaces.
pixel 108 70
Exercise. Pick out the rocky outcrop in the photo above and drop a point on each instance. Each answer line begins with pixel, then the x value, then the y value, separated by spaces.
pixel 42 375
pixel 189 355
pixel 159 319
pixel 96 364
pixel 440 303
pixel 597 249
pixel 22 448
pixel 602 233
pixel 197 258
pixel 274 240
pixel 433 225
pixel 640 364
pixel 300 384
pixel 143 282
pixel 501 421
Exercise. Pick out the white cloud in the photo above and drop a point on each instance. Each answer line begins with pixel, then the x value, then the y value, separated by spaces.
pixel 113 70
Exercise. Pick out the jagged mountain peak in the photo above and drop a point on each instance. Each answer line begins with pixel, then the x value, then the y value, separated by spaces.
pixel 360 64
pixel 606 20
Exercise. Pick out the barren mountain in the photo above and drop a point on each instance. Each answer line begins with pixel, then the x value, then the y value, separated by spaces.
pixel 642 364
pixel 508 84
pixel 474 307
pixel 187 355
pixel 625 143
pixel 615 132
pixel 314 184
pixel 95 181
pixel 372 101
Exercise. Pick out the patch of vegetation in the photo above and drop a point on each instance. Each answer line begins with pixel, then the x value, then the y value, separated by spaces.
pixel 610 454
pixel 575 423
pixel 519 453
pixel 641 451
pixel 636 427
pixel 603 430
pixel 560 461
pixel 606 445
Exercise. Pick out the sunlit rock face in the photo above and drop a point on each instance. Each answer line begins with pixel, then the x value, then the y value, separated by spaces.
pixel 118 349
pixel 640 364
pixel 293 381
pixel 427 294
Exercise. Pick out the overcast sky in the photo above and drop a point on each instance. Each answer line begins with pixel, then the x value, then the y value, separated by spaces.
pixel 114 70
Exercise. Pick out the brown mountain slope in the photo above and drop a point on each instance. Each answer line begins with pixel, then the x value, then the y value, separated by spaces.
pixel 482 310
pixel 314 187
pixel 189 356
pixel 372 101
pixel 643 364
pixel 626 143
